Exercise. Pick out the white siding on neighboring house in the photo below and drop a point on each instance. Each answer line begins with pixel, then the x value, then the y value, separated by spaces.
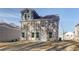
pixel 77 32
pixel 69 36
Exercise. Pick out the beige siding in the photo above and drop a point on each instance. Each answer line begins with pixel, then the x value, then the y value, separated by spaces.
pixel 9 34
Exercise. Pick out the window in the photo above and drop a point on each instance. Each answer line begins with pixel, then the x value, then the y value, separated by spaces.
pixel 33 34
pixel 23 34
pixel 50 34
pixel 28 16
pixel 27 11
pixel 25 16
pixel 37 34
pixel 24 26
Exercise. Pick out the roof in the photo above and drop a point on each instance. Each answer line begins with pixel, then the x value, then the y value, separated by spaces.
pixel 9 25
pixel 25 9
pixel 51 17
pixel 36 16
pixel 76 25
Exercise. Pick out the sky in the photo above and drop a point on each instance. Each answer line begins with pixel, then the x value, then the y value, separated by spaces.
pixel 69 17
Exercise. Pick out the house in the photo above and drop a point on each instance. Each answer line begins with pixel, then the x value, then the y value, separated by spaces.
pixel 69 36
pixel 38 28
pixel 77 32
pixel 9 32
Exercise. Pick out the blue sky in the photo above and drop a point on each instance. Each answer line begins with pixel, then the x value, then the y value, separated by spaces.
pixel 69 17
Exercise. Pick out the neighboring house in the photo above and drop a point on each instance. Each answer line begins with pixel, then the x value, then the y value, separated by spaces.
pixel 77 32
pixel 9 32
pixel 38 28
pixel 69 36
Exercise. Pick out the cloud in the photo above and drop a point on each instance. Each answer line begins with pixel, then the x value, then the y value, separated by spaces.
pixel 10 15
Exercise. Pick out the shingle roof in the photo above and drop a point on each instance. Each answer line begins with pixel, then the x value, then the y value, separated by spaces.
pixel 36 16
pixel 8 25
pixel 76 25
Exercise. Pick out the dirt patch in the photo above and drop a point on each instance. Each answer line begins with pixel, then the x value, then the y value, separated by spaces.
pixel 71 48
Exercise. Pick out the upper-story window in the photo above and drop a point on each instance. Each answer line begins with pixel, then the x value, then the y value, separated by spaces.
pixel 28 16
pixel 25 16
pixel 24 26
pixel 27 11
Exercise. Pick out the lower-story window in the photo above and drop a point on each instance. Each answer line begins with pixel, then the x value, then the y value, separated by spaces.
pixel 50 34
pixel 32 34
pixel 23 34
pixel 37 34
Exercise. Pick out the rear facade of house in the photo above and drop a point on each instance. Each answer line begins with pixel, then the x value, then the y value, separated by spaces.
pixel 38 28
